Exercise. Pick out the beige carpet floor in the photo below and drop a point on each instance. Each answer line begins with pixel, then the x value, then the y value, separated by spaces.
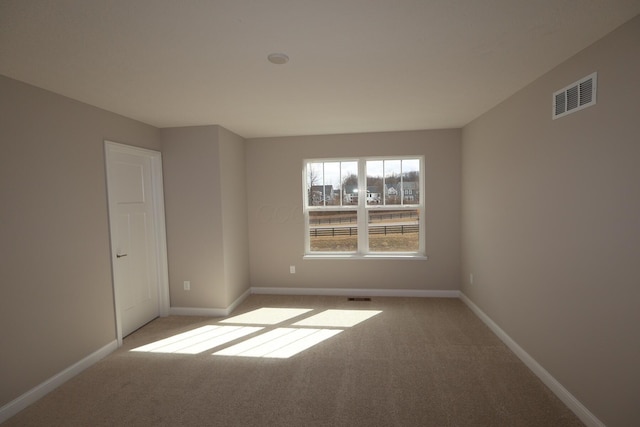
pixel 419 362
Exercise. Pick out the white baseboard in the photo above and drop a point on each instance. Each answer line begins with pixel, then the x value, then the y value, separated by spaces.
pixel 238 301
pixel 357 292
pixel 21 402
pixel 223 312
pixel 563 394
pixel 209 312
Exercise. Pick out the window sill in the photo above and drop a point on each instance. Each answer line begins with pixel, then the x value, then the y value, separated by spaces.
pixel 413 257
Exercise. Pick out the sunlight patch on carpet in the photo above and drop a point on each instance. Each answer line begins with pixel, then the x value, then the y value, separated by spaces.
pixel 198 340
pixel 280 343
pixel 338 318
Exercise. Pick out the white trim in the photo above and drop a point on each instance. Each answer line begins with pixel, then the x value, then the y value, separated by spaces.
pixel 162 268
pixel 418 293
pixel 210 312
pixel 363 214
pixel 238 301
pixel 161 235
pixel 12 408
pixel 362 224
pixel 563 394
pixel 39 391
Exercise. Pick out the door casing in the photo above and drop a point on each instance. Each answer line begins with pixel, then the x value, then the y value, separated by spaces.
pixel 159 229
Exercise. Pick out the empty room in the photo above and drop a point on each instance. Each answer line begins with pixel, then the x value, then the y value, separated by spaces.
pixel 393 213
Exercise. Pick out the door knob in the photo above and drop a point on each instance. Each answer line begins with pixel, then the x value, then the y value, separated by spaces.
pixel 120 255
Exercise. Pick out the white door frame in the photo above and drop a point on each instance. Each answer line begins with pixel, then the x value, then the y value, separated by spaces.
pixel 160 230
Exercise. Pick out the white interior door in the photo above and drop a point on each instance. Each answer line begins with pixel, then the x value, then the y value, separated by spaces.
pixel 136 249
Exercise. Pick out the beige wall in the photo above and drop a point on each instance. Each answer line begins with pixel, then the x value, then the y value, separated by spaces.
pixel 551 226
pixel 190 165
pixel 276 229
pixel 56 295
pixel 234 214
pixel 204 197
pixel 549 213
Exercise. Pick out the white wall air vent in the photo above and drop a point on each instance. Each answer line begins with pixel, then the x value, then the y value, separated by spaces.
pixel 575 97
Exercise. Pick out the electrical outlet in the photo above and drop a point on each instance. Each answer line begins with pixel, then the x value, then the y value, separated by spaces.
pixel 292 269
pixel 187 285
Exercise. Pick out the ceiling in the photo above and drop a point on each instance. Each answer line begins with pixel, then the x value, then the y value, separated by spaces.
pixel 355 65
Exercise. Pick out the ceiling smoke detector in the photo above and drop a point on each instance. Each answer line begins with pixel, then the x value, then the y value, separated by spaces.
pixel 278 58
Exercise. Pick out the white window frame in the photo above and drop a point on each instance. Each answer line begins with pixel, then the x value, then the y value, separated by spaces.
pixel 363 210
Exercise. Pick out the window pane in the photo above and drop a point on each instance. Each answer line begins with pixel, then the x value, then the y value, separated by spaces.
pixel 392 172
pixel 410 182
pixel 349 183
pixel 331 188
pixel 315 186
pixel 333 231
pixel 375 170
pixel 394 231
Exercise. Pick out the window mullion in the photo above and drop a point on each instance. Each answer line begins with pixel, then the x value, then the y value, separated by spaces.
pixel 401 185
pixel 306 188
pixel 363 234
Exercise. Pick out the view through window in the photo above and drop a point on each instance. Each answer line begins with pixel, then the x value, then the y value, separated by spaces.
pixel 364 206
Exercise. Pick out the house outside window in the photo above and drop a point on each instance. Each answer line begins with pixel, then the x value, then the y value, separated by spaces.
pixel 364 207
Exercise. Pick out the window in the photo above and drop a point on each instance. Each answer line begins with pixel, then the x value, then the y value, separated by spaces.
pixel 364 207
